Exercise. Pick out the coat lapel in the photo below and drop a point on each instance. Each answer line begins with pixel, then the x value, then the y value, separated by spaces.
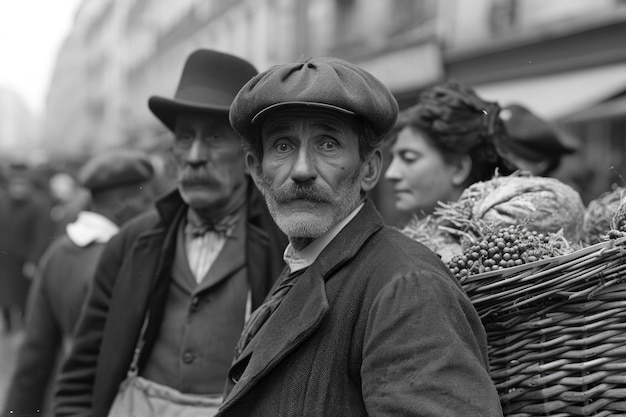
pixel 303 309
pixel 299 314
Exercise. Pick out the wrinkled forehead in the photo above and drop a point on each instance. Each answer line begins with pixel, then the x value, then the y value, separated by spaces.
pixel 289 119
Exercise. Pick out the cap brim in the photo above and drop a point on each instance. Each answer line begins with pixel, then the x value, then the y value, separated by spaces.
pixel 166 110
pixel 260 116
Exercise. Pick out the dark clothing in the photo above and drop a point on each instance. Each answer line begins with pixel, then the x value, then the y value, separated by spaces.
pixel 25 228
pixel 202 322
pixel 376 326
pixel 53 309
pixel 133 276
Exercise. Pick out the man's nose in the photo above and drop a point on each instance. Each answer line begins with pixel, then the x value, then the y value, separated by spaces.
pixel 303 169
pixel 197 153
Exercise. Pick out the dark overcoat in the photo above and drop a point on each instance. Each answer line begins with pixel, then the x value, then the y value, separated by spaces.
pixel 376 326
pixel 133 275
pixel 54 305
pixel 25 229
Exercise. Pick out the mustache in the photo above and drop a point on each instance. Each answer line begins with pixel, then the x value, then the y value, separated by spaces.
pixel 196 175
pixel 291 192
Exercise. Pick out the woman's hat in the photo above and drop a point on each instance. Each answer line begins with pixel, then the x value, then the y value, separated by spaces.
pixel 209 83
pixel 532 137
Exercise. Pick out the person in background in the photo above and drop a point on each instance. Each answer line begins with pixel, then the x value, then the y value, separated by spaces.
pixel 449 140
pixel 363 320
pixel 173 288
pixel 119 187
pixel 25 229
pixel 534 144
pixel 69 199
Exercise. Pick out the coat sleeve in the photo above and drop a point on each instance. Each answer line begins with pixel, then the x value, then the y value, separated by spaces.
pixel 38 352
pixel 424 352
pixel 75 383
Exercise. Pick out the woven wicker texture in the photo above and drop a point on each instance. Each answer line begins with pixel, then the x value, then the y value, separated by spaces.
pixel 556 330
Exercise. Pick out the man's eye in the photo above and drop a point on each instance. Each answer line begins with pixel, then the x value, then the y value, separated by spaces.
pixel 215 137
pixel 184 137
pixel 329 145
pixel 282 147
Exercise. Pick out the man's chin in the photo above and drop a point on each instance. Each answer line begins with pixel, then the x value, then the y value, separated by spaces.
pixel 304 224
pixel 198 198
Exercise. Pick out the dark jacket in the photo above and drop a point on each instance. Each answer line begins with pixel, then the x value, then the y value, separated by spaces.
pixel 25 232
pixel 54 306
pixel 376 326
pixel 133 276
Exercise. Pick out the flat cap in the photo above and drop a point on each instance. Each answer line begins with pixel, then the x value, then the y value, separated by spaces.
pixel 115 169
pixel 322 82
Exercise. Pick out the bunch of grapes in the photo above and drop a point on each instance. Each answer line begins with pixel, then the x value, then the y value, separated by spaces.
pixel 505 248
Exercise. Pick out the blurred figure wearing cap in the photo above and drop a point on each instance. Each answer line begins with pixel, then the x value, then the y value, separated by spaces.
pixel 174 287
pixel 363 321
pixel 119 187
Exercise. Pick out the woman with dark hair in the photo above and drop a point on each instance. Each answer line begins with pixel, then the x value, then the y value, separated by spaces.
pixel 449 140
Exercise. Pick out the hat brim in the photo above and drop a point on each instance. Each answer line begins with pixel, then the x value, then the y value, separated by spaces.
pixel 166 110
pixel 263 114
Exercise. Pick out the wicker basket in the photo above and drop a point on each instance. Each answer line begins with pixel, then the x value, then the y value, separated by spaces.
pixel 556 330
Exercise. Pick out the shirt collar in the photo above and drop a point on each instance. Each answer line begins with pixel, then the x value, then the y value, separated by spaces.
pixel 91 227
pixel 305 257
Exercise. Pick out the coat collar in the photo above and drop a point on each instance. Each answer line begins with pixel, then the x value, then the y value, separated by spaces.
pixel 304 308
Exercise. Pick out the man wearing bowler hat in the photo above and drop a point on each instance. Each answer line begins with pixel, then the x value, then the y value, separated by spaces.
pixel 363 321
pixel 119 186
pixel 173 289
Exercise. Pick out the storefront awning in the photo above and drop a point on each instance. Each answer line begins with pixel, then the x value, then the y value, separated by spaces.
pixel 558 96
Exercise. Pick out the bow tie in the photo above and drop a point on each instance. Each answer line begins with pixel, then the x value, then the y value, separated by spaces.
pixel 201 230
pixel 224 227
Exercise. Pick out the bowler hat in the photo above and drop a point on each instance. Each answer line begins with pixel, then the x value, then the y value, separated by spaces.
pixel 209 82
pixel 533 138
pixel 321 82
pixel 115 169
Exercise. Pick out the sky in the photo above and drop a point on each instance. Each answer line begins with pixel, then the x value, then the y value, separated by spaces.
pixel 31 32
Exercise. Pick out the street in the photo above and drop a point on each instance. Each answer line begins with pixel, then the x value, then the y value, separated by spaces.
pixel 9 344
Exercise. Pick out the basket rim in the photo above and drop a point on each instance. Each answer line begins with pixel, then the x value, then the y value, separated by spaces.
pixel 557 260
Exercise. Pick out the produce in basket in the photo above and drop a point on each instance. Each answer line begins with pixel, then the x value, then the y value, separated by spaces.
pixel 599 213
pixel 428 232
pixel 505 248
pixel 555 332
pixel 544 205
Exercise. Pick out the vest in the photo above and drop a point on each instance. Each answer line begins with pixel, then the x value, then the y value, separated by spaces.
pixel 201 322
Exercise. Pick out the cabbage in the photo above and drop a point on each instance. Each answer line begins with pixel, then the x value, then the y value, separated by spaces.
pixel 545 205
pixel 598 214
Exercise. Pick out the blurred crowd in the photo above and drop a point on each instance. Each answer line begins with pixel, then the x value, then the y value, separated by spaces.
pixel 37 203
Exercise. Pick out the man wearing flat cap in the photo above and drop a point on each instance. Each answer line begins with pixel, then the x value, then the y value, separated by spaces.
pixel 363 321
pixel 119 187
pixel 175 286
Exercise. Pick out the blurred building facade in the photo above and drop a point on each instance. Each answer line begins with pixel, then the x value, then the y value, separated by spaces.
pixel 566 59
pixel 18 127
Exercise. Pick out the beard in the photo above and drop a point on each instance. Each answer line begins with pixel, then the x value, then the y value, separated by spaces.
pixel 308 210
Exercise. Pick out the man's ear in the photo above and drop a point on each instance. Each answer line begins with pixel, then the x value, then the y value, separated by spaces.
pixel 252 166
pixel 462 169
pixel 371 170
